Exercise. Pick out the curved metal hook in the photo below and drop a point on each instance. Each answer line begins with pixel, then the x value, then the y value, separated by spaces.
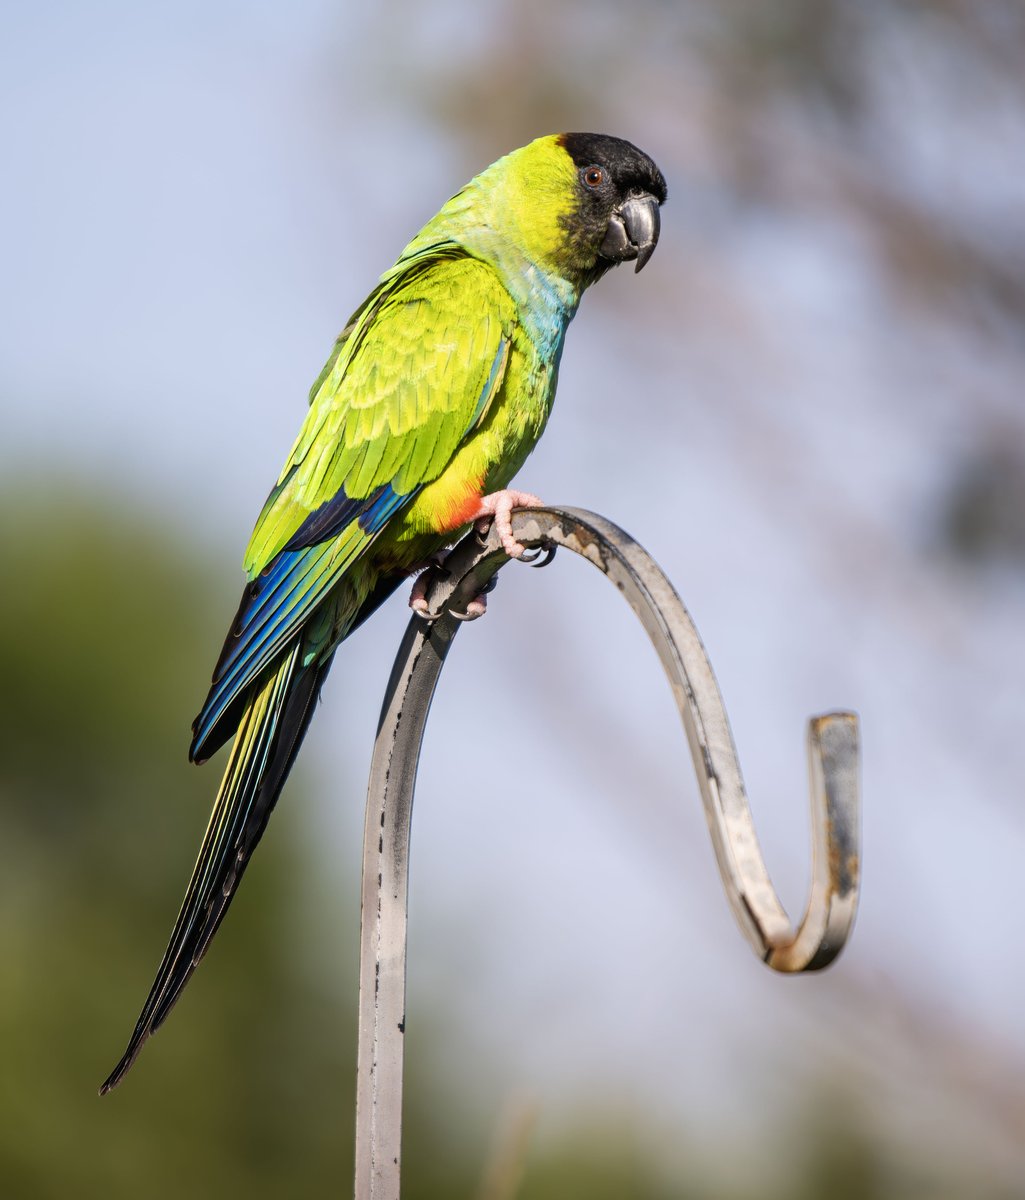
pixel 833 760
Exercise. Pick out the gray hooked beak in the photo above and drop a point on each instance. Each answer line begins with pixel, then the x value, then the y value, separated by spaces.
pixel 633 230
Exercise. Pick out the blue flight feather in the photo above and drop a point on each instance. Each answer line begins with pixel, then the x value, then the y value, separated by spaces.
pixel 281 597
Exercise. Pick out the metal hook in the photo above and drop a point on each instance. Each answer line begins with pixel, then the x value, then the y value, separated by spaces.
pixel 833 758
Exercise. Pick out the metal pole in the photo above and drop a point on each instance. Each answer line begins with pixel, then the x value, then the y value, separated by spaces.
pixel 382 989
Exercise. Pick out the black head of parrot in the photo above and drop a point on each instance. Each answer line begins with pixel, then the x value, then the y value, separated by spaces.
pixel 619 192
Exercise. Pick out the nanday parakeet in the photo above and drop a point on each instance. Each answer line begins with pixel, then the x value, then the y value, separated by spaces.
pixel 436 391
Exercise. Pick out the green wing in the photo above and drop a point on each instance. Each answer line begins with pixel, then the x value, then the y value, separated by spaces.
pixel 412 376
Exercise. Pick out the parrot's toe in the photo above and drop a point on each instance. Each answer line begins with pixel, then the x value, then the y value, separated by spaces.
pixel 418 596
pixel 497 508
pixel 427 573
pixel 477 607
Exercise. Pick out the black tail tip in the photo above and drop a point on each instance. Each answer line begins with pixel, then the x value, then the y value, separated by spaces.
pixel 119 1072
pixel 111 1082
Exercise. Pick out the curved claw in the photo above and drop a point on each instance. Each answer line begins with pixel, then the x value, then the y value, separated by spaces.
pixel 466 616
pixel 540 556
pixel 431 573
pixel 478 605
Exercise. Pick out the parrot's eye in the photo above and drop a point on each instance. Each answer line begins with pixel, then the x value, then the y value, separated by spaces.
pixel 594 177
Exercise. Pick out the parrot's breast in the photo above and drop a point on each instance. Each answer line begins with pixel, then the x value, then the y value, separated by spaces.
pixel 492 454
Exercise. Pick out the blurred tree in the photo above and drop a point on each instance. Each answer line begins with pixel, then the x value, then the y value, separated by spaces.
pixel 102 660
pixel 983 519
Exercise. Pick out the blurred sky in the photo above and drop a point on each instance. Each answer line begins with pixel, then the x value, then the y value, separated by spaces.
pixel 779 408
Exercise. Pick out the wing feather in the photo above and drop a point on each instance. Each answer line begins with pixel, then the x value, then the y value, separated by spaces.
pixel 412 381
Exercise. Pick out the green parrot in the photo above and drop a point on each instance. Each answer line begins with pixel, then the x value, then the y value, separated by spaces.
pixel 436 391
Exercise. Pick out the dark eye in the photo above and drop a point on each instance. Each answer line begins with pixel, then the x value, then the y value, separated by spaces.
pixel 594 177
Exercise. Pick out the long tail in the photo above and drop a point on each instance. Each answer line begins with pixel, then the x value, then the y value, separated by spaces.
pixel 270 732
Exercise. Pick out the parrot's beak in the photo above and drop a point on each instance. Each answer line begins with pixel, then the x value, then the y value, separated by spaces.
pixel 633 230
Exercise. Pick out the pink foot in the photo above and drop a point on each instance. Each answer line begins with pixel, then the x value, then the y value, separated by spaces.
pixel 497 508
pixel 426 572
pixel 418 596
pixel 477 607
